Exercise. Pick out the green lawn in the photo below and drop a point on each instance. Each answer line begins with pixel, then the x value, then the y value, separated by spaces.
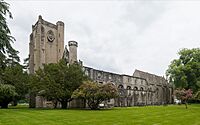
pixel 150 115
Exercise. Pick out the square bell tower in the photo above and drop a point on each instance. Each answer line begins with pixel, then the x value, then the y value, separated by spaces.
pixel 46 44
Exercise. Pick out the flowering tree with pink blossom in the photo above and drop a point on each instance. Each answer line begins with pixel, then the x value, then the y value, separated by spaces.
pixel 183 95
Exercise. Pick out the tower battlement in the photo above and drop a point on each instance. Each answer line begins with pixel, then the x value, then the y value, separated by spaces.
pixel 73 43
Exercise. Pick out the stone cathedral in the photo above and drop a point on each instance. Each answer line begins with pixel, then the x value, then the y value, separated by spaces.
pixel 141 88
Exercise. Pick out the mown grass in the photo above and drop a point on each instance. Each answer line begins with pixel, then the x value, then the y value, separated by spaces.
pixel 149 115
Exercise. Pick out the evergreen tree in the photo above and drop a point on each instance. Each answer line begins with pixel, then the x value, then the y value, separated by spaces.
pixel 8 55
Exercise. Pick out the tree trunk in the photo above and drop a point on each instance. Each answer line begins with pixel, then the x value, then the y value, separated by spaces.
pixel 4 105
pixel 64 104
pixel 93 105
pixel 84 103
pixel 55 104
pixel 32 102
pixel 14 103
pixel 186 105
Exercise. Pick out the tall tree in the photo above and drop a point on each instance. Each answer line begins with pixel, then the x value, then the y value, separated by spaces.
pixel 185 71
pixel 8 55
pixel 57 82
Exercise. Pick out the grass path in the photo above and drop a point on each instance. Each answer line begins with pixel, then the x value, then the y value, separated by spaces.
pixel 150 115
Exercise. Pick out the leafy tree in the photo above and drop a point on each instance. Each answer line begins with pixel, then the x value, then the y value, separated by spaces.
pixel 7 93
pixel 95 93
pixel 185 71
pixel 183 95
pixel 57 82
pixel 14 75
pixel 8 55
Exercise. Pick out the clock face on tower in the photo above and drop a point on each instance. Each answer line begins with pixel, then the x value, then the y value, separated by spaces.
pixel 50 36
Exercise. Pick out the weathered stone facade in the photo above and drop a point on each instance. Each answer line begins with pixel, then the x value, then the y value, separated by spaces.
pixel 142 88
pixel 46 44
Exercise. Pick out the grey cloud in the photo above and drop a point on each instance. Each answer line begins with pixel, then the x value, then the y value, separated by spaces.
pixel 144 13
pixel 115 36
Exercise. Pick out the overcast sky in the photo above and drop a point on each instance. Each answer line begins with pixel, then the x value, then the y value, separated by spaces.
pixel 116 36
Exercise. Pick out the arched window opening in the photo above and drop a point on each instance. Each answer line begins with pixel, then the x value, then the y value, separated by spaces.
pixel 120 86
pixel 128 90
pixel 135 88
